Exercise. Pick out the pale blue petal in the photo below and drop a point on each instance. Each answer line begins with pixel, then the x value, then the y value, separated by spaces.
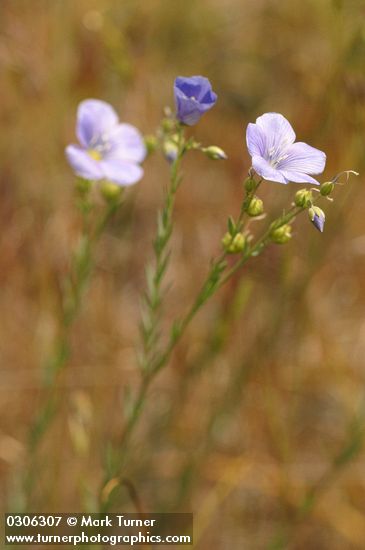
pixel 83 164
pixel 121 172
pixel 94 119
pixel 298 177
pixel 303 158
pixel 255 140
pixel 278 132
pixel 265 170
pixel 126 143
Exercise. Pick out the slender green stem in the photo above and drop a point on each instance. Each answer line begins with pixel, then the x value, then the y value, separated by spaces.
pixel 213 282
pixel 217 277
pixel 153 297
pixel 154 360
pixel 260 244
pixel 73 290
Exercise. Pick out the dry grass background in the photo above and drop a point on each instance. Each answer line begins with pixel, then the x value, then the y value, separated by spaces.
pixel 267 387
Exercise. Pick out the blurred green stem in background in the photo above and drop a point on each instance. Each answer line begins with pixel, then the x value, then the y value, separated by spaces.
pixel 73 289
pixel 350 449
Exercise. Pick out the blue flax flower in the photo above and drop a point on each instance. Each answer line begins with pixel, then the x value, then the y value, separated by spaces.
pixel 276 157
pixel 108 150
pixel 193 97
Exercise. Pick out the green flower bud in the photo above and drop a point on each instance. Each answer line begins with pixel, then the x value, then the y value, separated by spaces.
pixel 303 198
pixel 150 143
pixel 282 234
pixel 83 186
pixel 214 152
pixel 250 185
pixel 111 191
pixel 226 241
pixel 237 245
pixel 168 124
pixel 326 188
pixel 233 245
pixel 255 207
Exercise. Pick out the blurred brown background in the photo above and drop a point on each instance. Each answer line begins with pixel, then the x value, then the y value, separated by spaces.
pixel 261 410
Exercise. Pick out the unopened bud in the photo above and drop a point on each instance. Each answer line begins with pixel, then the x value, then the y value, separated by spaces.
pixel 111 191
pixel 168 124
pixel 250 185
pixel 233 245
pixel 326 188
pixel 317 217
pixel 282 234
pixel 170 150
pixel 303 198
pixel 255 207
pixel 237 245
pixel 83 186
pixel 214 153
pixel 226 241
pixel 150 143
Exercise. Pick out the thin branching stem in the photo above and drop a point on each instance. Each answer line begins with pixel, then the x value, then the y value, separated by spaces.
pixel 155 272
pixel 216 278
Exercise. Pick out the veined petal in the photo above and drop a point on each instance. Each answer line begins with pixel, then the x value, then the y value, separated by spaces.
pixel 82 163
pixel 121 172
pixel 94 118
pixel 278 132
pixel 304 159
pixel 255 140
pixel 126 143
pixel 264 169
pixel 298 177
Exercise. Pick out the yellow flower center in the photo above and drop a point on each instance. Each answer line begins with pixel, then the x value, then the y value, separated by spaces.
pixel 94 154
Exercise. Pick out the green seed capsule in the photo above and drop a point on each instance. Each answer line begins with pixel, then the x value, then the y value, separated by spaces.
pixel 326 188
pixel 282 234
pixel 250 185
pixel 111 191
pixel 303 198
pixel 233 245
pixel 255 207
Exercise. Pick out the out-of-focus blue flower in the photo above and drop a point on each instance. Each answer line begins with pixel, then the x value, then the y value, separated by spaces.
pixel 108 150
pixel 193 97
pixel 317 217
pixel 276 157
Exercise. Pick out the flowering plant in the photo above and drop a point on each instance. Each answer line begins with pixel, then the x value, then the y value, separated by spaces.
pixel 111 152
